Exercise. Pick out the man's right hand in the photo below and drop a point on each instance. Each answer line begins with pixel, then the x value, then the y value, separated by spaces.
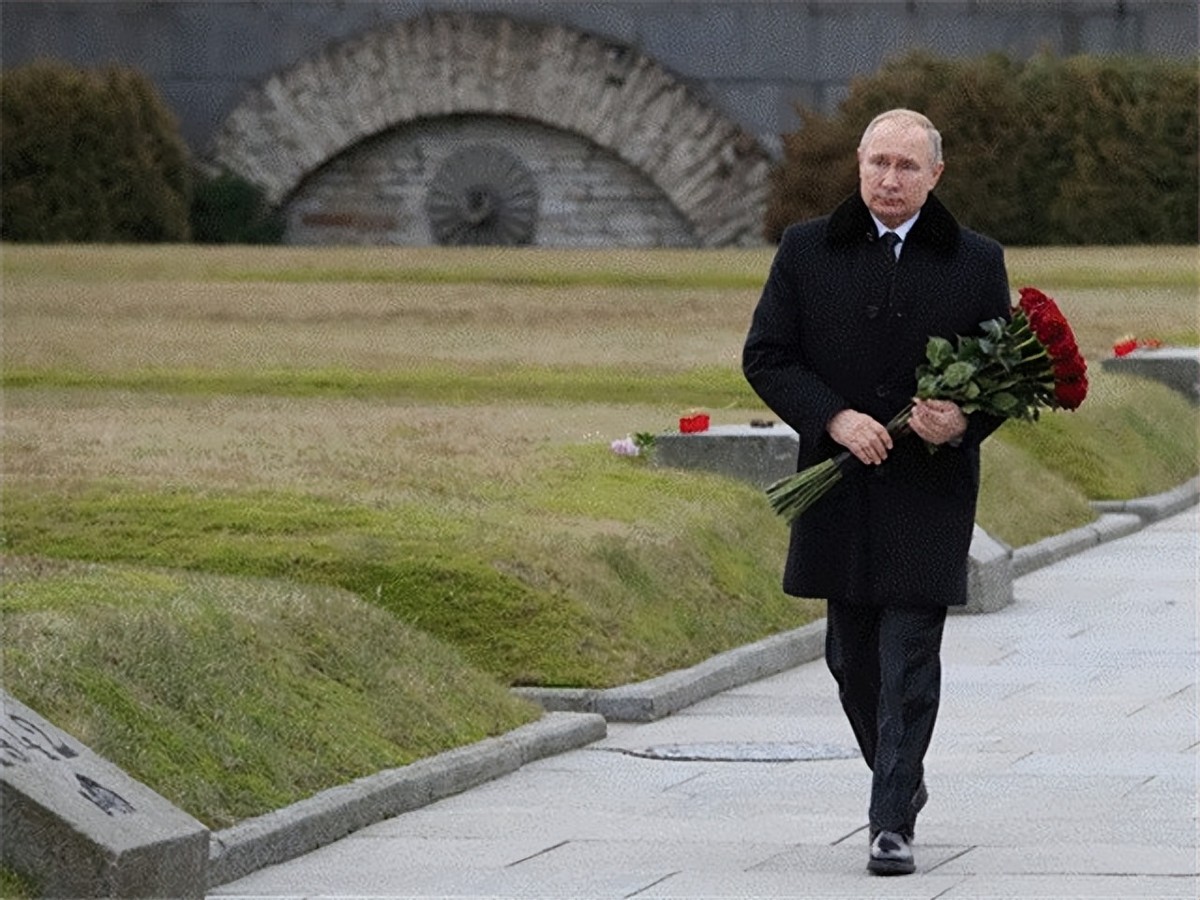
pixel 868 440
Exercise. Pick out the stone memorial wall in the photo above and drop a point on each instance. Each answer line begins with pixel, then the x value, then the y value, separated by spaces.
pixel 639 121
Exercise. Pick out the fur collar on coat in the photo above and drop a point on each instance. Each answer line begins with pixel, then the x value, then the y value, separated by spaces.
pixel 935 228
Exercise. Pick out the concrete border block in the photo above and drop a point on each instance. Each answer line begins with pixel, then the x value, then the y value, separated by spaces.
pixel 1155 506
pixel 1060 546
pixel 1111 526
pixel 989 576
pixel 655 698
pixel 1053 549
pixel 1176 367
pixel 81 826
pixel 562 699
pixel 331 814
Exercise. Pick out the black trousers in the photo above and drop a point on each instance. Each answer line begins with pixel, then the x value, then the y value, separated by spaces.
pixel 887 664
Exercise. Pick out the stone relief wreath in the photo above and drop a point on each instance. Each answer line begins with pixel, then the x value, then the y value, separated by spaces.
pixel 482 194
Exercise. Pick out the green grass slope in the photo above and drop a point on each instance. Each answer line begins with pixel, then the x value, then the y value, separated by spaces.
pixel 235 696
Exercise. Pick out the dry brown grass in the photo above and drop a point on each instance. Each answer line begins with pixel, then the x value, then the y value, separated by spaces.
pixel 112 326
pixel 345 448
pixel 225 263
pixel 119 309
pixel 113 309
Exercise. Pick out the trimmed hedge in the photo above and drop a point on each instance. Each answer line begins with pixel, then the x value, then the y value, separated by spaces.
pixel 1082 150
pixel 89 156
pixel 228 209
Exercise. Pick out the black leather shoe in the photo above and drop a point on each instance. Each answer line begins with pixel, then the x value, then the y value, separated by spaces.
pixel 891 855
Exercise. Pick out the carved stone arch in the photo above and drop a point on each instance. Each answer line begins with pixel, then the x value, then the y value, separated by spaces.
pixel 455 64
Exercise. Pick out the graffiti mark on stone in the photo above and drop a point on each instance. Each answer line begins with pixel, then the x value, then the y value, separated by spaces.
pixel 20 737
pixel 108 800
pixel 23 741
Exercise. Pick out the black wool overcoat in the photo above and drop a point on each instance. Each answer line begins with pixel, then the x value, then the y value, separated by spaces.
pixel 832 331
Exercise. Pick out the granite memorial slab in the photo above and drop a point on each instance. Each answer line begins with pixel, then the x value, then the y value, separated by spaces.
pixel 79 826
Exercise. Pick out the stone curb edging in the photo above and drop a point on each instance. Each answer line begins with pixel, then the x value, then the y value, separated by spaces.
pixel 1118 518
pixel 1155 506
pixel 1059 546
pixel 286 833
pixel 655 698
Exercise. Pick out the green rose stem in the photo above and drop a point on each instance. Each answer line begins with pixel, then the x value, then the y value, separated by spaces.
pixel 791 496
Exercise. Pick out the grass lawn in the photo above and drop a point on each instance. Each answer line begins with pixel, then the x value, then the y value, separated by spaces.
pixel 278 517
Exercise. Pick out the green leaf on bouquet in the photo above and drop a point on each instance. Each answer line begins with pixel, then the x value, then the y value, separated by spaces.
pixel 957 374
pixel 993 328
pixel 1004 401
pixel 939 352
pixel 927 386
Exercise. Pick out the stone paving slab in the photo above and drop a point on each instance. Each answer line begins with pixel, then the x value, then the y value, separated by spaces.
pixel 1072 887
pixel 1059 859
pixel 1126 764
pixel 790 885
pixel 325 817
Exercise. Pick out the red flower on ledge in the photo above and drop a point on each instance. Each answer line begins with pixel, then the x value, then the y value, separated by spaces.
pixel 1129 343
pixel 692 424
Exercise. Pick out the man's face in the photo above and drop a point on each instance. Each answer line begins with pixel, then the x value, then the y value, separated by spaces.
pixel 896 171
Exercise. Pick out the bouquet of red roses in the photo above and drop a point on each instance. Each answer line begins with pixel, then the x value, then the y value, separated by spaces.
pixel 1011 369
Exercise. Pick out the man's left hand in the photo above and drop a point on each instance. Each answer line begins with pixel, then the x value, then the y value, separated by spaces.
pixel 938 421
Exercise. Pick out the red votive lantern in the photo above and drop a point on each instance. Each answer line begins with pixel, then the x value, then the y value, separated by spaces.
pixel 693 424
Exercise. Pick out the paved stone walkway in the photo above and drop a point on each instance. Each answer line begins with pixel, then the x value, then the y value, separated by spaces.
pixel 1064 765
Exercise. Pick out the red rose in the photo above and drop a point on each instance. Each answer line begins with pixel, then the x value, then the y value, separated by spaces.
pixel 1070 394
pixel 1063 346
pixel 1046 320
pixel 1036 306
pixel 1069 367
pixel 1124 347
pixel 1032 299
pixel 1046 315
pixel 1052 332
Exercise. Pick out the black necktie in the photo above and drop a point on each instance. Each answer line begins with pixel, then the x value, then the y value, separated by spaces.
pixel 890 240
pixel 887 274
